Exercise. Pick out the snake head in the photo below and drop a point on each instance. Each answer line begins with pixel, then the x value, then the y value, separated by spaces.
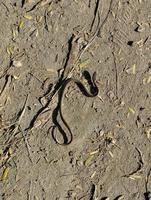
pixel 91 81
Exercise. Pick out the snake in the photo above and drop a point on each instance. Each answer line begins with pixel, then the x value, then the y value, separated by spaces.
pixel 58 110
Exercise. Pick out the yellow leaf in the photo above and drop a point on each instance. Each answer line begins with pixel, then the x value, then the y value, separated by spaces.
pixel 131 110
pixel 5 174
pixel 16 77
pixel 10 151
pixel 9 50
pixel 84 63
pixel 50 8
pixel 88 160
pixel 21 24
pixel 15 33
pixel 29 17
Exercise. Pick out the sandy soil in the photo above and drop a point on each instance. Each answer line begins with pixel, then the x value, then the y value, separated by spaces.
pixel 110 155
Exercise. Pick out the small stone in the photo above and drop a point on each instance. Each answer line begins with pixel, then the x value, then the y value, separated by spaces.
pixel 17 63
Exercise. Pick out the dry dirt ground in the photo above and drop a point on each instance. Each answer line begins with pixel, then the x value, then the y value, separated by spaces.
pixel 110 155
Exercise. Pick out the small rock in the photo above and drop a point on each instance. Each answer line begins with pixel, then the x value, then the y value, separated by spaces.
pixel 17 63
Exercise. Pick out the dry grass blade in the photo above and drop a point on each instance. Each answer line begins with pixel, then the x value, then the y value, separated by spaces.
pixel 88 161
pixel 5 174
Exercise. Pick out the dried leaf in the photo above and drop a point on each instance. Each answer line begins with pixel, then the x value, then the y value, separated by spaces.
pixel 84 63
pixel 5 174
pixel 9 50
pixel 131 70
pixel 111 154
pixel 50 70
pixel 49 8
pixel 15 32
pixel 44 2
pixel 134 177
pixel 94 152
pixel 113 13
pixel 21 25
pixel 148 132
pixel 149 79
pixel 131 110
pixel 10 151
pixel 94 173
pixel 88 160
pixel 16 77
pixel 29 17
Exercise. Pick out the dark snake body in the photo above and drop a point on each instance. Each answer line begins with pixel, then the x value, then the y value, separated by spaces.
pixel 58 110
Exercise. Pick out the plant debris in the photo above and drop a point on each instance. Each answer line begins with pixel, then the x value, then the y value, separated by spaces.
pixel 5 174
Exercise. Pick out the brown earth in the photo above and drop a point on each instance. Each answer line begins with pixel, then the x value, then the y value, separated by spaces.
pixel 110 155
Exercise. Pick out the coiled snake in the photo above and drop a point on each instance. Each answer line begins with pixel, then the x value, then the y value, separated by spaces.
pixel 58 110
